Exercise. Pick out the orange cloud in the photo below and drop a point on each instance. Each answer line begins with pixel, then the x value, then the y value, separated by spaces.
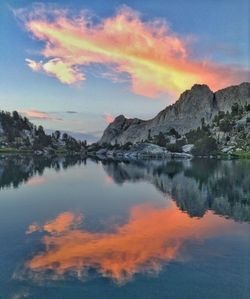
pixel 156 59
pixel 108 118
pixel 62 223
pixel 151 236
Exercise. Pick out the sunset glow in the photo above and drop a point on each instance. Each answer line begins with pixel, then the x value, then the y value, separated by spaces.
pixel 108 118
pixel 156 59
pixel 40 115
pixel 62 223
pixel 151 236
pixel 127 57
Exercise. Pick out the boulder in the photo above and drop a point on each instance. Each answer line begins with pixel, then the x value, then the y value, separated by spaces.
pixel 187 148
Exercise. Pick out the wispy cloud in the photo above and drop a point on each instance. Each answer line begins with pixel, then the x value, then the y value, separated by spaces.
pixel 156 59
pixel 71 112
pixel 39 115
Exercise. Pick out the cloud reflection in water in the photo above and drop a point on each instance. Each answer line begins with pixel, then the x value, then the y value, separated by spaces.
pixel 151 236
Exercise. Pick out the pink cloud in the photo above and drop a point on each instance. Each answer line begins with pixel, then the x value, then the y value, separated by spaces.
pixel 40 115
pixel 108 118
pixel 34 181
pixel 156 59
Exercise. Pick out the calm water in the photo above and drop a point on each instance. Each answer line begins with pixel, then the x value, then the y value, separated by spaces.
pixel 88 229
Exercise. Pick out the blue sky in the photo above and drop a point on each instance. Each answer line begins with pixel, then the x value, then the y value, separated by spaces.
pixel 217 31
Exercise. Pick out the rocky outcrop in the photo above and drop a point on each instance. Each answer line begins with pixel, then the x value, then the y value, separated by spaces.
pixel 139 151
pixel 186 114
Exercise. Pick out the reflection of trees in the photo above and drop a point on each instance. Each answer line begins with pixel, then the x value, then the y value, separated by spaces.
pixel 15 170
pixel 196 186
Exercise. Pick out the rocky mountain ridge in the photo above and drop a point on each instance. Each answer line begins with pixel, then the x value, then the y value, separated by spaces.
pixel 197 105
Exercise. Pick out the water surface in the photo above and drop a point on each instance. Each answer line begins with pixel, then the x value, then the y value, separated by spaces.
pixel 72 228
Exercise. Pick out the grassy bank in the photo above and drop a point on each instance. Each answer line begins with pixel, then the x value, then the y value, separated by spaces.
pixel 10 150
pixel 241 155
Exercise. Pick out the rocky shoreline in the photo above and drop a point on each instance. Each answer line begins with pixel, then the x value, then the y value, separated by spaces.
pixel 138 151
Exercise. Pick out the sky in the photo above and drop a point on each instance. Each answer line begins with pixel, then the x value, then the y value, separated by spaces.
pixel 75 65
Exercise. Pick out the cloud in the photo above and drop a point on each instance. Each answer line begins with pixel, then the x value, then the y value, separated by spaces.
pixel 65 72
pixel 108 118
pixel 156 59
pixel 37 180
pixel 35 66
pixel 71 112
pixel 151 236
pixel 40 115
pixel 64 222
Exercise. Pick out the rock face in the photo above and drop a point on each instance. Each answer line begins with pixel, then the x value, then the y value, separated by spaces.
pixel 186 114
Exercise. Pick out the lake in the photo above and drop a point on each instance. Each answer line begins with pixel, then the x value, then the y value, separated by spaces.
pixel 74 228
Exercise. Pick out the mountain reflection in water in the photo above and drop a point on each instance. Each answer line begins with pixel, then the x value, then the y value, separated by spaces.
pixel 18 169
pixel 196 186
pixel 156 229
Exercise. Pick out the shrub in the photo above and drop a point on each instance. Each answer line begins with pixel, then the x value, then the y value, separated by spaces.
pixel 194 135
pixel 218 117
pixel 176 147
pixel 160 139
pixel 127 146
pixel 235 109
pixel 247 107
pixel 205 146
pixel 173 132
pixel 225 125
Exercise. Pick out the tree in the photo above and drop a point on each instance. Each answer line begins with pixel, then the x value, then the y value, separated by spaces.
pixel 205 146
pixel 235 109
pixel 161 140
pixel 149 134
pixel 173 132
pixel 203 122
pixel 65 137
pixel 15 115
pixel 40 131
pixel 247 107
pixel 57 134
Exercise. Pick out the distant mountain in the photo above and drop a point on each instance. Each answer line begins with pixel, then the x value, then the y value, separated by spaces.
pixel 90 138
pixel 194 108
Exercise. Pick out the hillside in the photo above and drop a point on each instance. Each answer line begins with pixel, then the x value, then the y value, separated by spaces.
pixel 194 107
pixel 17 133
